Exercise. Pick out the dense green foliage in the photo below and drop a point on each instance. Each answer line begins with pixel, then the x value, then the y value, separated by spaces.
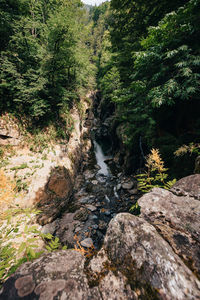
pixel 152 74
pixel 44 57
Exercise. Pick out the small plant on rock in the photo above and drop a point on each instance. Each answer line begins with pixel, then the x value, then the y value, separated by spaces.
pixel 156 175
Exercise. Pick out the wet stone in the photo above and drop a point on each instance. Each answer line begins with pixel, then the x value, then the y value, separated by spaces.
pixel 108 213
pixel 119 186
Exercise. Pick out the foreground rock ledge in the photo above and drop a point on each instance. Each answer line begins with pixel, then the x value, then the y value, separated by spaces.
pixel 135 262
pixel 177 219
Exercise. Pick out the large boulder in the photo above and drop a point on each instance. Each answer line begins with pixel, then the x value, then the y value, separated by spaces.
pixel 152 269
pixel 177 219
pixel 58 275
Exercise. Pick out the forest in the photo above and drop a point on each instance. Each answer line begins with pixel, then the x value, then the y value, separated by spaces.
pixel 143 57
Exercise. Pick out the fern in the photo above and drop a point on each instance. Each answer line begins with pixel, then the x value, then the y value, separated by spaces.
pixel 156 175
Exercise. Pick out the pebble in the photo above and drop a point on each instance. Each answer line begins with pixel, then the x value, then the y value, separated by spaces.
pixel 133 192
pixel 85 200
pixel 87 243
pixel 119 186
pixel 95 182
pixel 78 229
pixel 91 207
pixel 127 185
pixel 107 213
pixel 93 217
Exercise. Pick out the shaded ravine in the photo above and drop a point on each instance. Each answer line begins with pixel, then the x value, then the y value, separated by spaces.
pixel 99 194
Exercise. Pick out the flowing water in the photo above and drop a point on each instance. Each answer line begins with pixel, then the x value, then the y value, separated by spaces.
pixel 100 158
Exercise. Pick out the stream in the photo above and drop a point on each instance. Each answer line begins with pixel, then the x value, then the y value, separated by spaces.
pixel 99 194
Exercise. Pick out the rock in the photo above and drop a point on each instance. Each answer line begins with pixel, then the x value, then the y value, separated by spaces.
pixel 9 131
pixel 91 207
pixel 127 185
pixel 67 227
pixel 119 186
pixel 178 221
pixel 188 186
pixel 102 225
pixel 97 167
pixel 107 213
pixel 108 160
pixel 50 228
pixel 81 215
pixel 135 262
pixel 88 199
pixel 57 275
pixel 93 217
pixel 60 183
pixel 133 192
pixel 94 182
pixel 135 249
pixel 87 243
pixel 88 174
pixel 197 165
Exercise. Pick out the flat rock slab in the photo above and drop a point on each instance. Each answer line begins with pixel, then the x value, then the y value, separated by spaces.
pixel 178 221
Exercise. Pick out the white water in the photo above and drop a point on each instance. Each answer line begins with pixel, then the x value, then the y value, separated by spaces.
pixel 100 157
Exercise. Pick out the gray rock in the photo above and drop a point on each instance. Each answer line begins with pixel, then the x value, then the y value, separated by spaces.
pixel 57 275
pixel 66 229
pixel 178 221
pixel 127 185
pixel 136 249
pixel 107 212
pixel 119 186
pixel 95 182
pixel 91 207
pixel 188 186
pixel 85 200
pixel 50 228
pixel 89 174
pixel 133 192
pixel 87 243
pixel 93 217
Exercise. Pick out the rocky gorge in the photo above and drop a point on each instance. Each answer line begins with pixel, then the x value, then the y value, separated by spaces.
pixel 153 255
